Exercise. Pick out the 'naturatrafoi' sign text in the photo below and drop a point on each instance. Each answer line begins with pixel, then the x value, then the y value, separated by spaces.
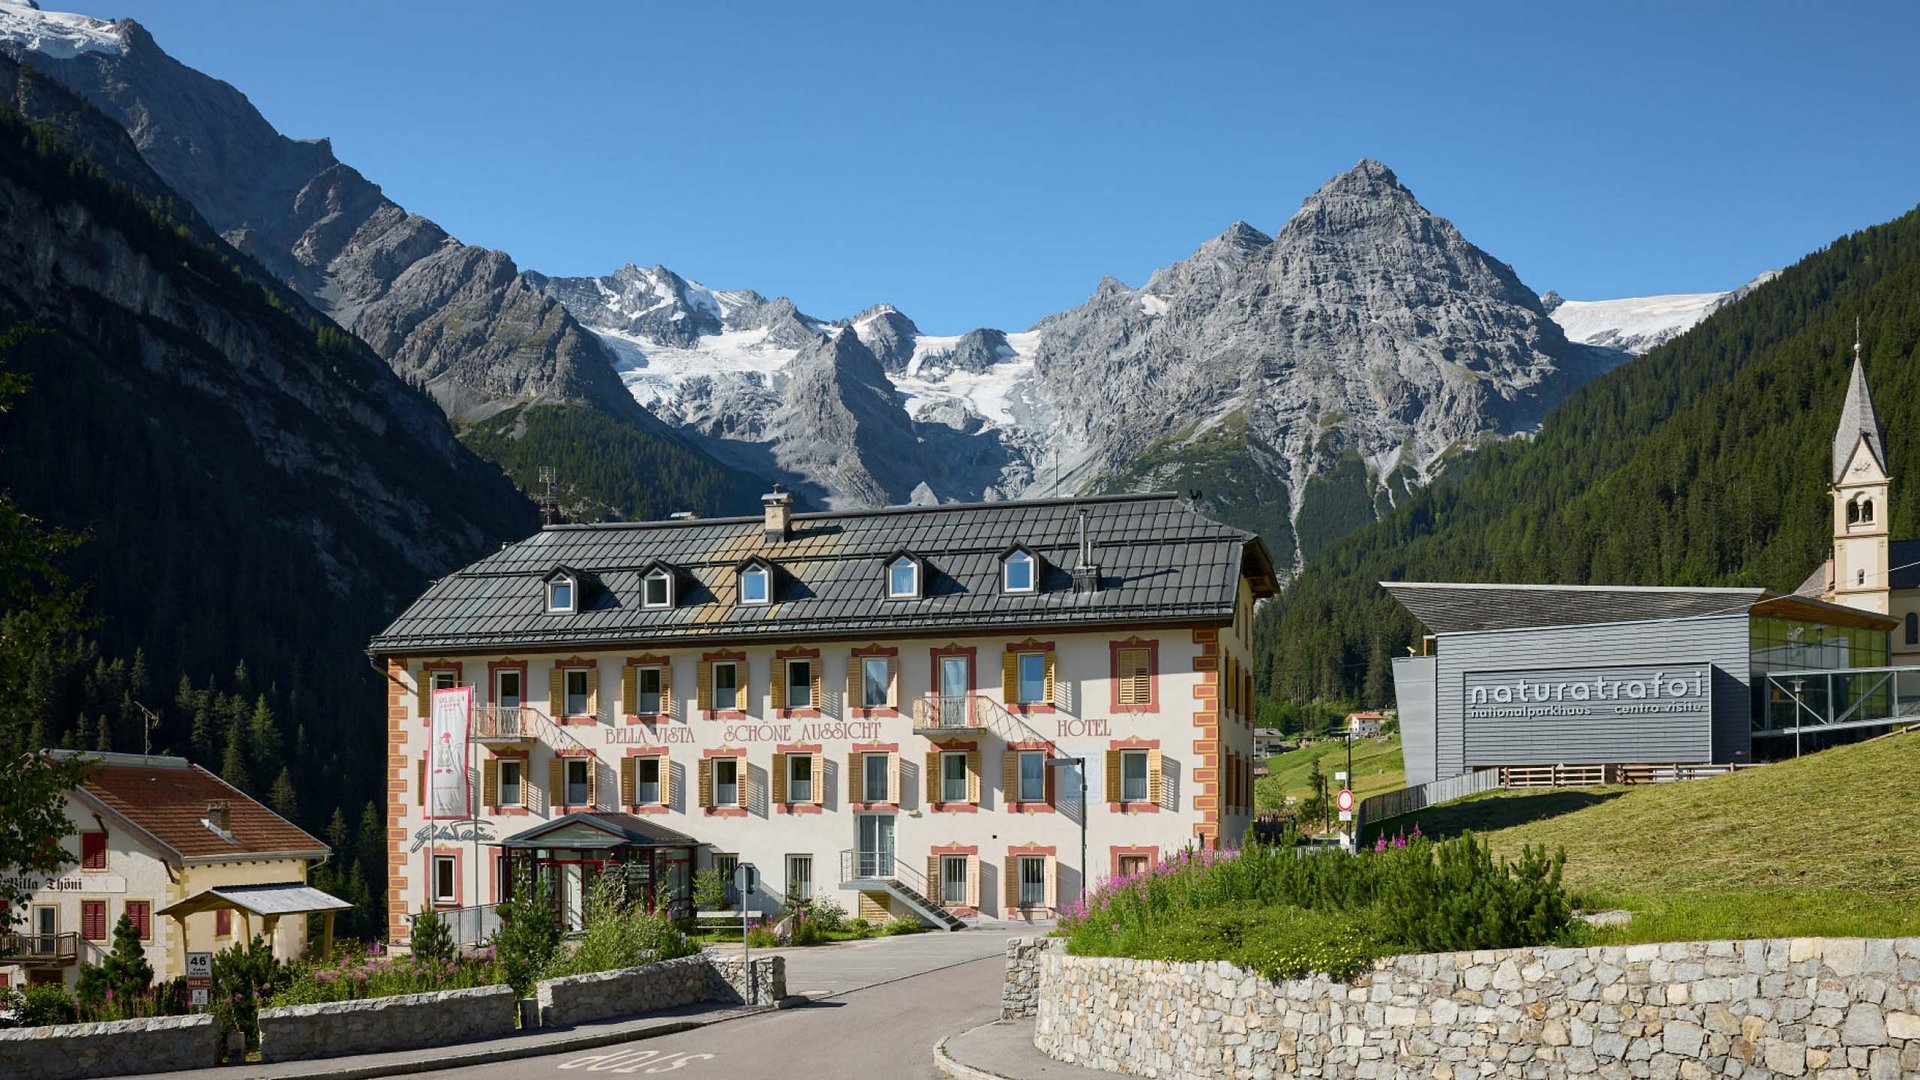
pixel 1588 693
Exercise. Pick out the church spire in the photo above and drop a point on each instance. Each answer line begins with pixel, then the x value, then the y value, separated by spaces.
pixel 1857 419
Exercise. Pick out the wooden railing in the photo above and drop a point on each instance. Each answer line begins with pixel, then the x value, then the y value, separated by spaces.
pixel 35 950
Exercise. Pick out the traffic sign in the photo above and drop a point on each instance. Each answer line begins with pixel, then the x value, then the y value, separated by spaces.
pixel 1340 778
pixel 199 997
pixel 199 967
pixel 1346 815
pixel 746 878
pixel 1345 802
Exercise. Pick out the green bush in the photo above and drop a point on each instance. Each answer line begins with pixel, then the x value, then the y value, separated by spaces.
pixel 528 936
pixel 1460 898
pixel 46 1003
pixel 710 890
pixel 760 937
pixel 617 935
pixel 431 939
pixel 245 976
pixel 348 978
pixel 828 913
pixel 903 926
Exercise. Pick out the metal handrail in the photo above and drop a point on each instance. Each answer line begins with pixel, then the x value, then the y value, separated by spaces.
pixel 60 948
pixel 938 712
pixel 506 722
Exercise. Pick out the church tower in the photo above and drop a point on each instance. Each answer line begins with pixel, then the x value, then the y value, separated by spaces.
pixel 1861 484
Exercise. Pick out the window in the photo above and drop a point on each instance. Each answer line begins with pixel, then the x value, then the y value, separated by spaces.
pixel 1866 511
pixel 876 776
pixel 1033 881
pixel 1133 776
pixel 93 920
pixel 799 877
pixel 755 586
pixel 445 879
pixel 656 590
pixel 140 913
pixel 876 681
pixel 93 850
pixel 903 578
pixel 576 686
pixel 1132 865
pixel 800 684
pixel 953 777
pixel 953 880
pixel 1133 672
pixel 507 690
pixel 560 595
pixel 444 679
pixel 726 686
pixel 1016 573
pixel 1033 776
pixel 799 778
pixel 223 922
pixel 511 790
pixel 1032 668
pixel 726 781
pixel 646 684
pixel 646 779
pixel 578 781
pixel 726 863
pixel 1913 628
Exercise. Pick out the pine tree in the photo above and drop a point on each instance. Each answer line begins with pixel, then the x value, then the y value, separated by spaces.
pixel 263 739
pixel 282 798
pixel 126 969
pixel 370 848
pixel 337 836
pixel 233 765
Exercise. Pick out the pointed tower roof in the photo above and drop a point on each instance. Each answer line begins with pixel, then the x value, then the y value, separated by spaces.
pixel 1858 420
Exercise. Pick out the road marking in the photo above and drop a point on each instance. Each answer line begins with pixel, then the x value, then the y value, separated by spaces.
pixel 636 1061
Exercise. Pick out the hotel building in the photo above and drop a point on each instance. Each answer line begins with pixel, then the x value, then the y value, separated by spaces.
pixel 901 708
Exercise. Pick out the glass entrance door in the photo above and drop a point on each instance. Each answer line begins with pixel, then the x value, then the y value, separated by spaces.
pixel 956 682
pixel 875 851
pixel 573 896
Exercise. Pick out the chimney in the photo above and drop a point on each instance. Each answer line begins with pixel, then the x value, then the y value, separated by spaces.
pixel 217 815
pixel 779 514
pixel 1086 572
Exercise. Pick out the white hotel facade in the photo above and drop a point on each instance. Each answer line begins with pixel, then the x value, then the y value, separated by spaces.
pixel 892 708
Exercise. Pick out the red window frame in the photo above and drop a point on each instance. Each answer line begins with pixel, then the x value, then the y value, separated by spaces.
pixel 93 920
pixel 141 912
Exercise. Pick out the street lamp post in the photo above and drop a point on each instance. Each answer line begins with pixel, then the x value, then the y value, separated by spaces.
pixel 1081 764
pixel 1798 719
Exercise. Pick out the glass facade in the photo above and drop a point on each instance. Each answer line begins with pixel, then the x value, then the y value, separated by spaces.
pixel 1786 645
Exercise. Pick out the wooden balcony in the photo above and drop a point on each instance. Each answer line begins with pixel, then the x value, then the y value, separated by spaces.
pixel 40 950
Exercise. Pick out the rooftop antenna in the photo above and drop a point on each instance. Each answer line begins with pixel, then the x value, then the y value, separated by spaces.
pixel 146 730
pixel 549 503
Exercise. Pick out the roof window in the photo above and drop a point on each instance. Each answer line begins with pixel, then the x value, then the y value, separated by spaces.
pixel 903 578
pixel 756 582
pixel 1019 572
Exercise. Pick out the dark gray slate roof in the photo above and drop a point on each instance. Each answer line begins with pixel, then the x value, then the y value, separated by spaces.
pixel 1450 607
pixel 1857 421
pixel 1160 560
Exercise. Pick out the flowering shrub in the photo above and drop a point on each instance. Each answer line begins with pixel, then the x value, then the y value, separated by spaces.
pixel 1285 911
pixel 349 976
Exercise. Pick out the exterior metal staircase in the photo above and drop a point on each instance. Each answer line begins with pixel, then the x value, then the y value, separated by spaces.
pixel 879 871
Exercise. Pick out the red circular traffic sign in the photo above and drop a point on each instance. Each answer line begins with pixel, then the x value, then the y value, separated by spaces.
pixel 1346 799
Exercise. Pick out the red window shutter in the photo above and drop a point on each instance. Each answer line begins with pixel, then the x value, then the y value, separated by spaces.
pixel 223 922
pixel 93 920
pixel 93 851
pixel 141 912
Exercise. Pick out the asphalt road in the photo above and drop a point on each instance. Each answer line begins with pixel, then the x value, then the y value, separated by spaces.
pixel 878 1008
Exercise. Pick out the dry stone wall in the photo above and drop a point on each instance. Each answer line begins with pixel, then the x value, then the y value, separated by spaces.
pixel 399 1022
pixel 114 1048
pixel 1821 1008
pixel 1020 995
pixel 580 999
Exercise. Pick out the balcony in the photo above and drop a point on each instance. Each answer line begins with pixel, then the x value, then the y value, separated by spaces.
pixel 969 714
pixel 40 950
pixel 506 725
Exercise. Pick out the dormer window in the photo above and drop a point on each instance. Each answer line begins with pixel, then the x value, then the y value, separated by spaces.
pixel 656 589
pixel 903 578
pixel 756 583
pixel 563 594
pixel 1019 572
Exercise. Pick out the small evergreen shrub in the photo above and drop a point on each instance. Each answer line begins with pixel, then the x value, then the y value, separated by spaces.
pixel 528 935
pixel 432 939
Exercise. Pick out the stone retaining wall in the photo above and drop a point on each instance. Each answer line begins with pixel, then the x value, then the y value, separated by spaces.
pixel 1020 995
pixel 114 1048
pixel 580 999
pixel 1823 1008
pixel 399 1022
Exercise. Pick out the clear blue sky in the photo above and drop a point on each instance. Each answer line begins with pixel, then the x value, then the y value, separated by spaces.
pixel 985 163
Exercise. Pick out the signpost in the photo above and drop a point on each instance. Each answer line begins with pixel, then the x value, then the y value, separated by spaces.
pixel 199 977
pixel 745 877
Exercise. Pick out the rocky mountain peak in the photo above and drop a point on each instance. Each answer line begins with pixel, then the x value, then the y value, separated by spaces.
pixel 889 333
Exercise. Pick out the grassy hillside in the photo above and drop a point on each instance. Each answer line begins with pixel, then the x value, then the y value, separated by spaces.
pixel 1702 463
pixel 1377 767
pixel 1822 845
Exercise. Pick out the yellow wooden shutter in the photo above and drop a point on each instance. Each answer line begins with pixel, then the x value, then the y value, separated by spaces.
pixel 1113 776
pixel 630 690
pixel 593 691
pixel 818 702
pixel 973 882
pixel 1136 677
pixel 779 779
pixel 706 781
pixel 856 778
pixel 703 693
pixel 933 776
pixel 893 682
pixel 1051 700
pixel 556 782
pixel 593 782
pixel 627 777
pixel 1010 776
pixel 423 692
pixel 1010 876
pixel 894 794
pixel 933 879
pixel 666 689
pixel 973 775
pixel 666 780
pixel 1153 777
pixel 421 785
pixel 1009 677
pixel 819 778
pixel 779 687
pixel 490 782
pixel 556 691
pixel 1053 881
pixel 855 698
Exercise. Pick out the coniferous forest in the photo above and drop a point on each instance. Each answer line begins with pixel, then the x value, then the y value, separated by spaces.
pixel 1704 462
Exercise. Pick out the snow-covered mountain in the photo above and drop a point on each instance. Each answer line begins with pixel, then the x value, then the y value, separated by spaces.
pixel 1640 323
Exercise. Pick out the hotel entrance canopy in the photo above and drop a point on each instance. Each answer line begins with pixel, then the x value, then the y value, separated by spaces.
pixel 571 852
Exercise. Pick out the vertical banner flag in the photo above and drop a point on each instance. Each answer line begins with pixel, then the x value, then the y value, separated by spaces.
pixel 448 793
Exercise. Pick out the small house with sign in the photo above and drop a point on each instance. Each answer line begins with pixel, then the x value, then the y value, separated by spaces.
pixel 195 863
